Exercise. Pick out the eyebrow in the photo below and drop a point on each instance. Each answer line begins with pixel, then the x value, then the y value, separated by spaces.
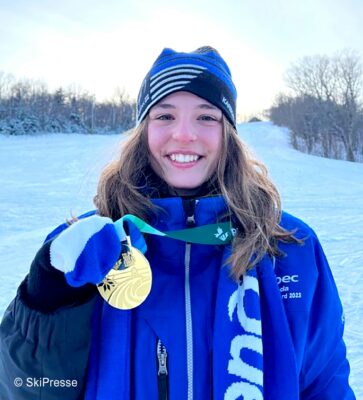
pixel 203 106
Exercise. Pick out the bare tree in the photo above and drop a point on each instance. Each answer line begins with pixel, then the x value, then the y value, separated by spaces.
pixel 27 107
pixel 328 92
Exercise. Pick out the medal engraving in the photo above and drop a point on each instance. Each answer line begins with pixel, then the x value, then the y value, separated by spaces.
pixel 129 286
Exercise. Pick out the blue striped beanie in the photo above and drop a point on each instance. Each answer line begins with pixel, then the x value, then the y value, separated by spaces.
pixel 202 72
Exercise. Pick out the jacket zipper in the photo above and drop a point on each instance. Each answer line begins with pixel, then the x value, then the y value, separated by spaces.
pixel 188 322
pixel 189 206
pixel 162 356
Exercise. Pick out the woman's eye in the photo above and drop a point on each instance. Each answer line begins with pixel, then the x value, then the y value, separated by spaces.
pixel 164 117
pixel 208 118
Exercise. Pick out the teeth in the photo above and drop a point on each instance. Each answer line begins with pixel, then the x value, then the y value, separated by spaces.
pixel 184 158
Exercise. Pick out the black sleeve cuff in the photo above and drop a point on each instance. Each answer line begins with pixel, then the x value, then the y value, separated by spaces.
pixel 46 289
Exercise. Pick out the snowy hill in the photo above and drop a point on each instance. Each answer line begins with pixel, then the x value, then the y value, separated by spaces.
pixel 45 179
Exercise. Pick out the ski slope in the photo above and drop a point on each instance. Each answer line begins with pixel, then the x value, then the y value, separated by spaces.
pixel 46 179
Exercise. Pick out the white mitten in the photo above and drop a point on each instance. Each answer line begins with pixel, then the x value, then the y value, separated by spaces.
pixel 87 250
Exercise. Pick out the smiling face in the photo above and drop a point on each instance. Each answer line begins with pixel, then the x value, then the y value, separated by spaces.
pixel 185 139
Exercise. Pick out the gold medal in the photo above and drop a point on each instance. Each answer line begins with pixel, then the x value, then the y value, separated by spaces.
pixel 128 287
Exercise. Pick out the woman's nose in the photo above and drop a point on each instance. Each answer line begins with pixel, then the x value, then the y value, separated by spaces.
pixel 184 131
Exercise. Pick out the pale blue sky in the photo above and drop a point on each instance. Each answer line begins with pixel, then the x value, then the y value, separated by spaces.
pixel 103 44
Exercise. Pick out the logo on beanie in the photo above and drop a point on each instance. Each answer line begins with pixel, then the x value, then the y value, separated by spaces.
pixel 172 79
pixel 228 105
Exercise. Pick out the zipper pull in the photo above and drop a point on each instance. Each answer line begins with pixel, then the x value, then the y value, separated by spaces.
pixel 190 220
pixel 162 357
pixel 189 209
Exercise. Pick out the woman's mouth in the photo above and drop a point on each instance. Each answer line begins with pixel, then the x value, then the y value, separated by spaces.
pixel 183 158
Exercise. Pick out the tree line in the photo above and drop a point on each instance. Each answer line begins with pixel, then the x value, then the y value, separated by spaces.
pixel 323 108
pixel 29 107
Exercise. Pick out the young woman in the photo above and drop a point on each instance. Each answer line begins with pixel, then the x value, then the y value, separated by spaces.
pixel 242 303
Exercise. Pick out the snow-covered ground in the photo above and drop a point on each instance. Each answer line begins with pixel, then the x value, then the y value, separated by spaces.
pixel 46 179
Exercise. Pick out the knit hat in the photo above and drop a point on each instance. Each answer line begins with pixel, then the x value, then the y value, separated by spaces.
pixel 202 72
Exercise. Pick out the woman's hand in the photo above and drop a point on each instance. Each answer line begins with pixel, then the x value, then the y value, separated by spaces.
pixel 87 250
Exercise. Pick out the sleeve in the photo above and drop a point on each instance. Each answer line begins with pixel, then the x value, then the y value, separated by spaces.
pixel 46 289
pixel 325 370
pixel 44 355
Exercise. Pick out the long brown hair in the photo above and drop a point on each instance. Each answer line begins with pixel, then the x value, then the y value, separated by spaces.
pixel 251 197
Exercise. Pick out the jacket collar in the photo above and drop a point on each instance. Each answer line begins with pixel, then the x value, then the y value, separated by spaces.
pixel 172 215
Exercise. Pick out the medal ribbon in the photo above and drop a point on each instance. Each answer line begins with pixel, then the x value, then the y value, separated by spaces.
pixel 212 234
pixel 127 286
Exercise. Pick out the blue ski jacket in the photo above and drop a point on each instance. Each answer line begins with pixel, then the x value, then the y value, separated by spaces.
pixel 190 334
